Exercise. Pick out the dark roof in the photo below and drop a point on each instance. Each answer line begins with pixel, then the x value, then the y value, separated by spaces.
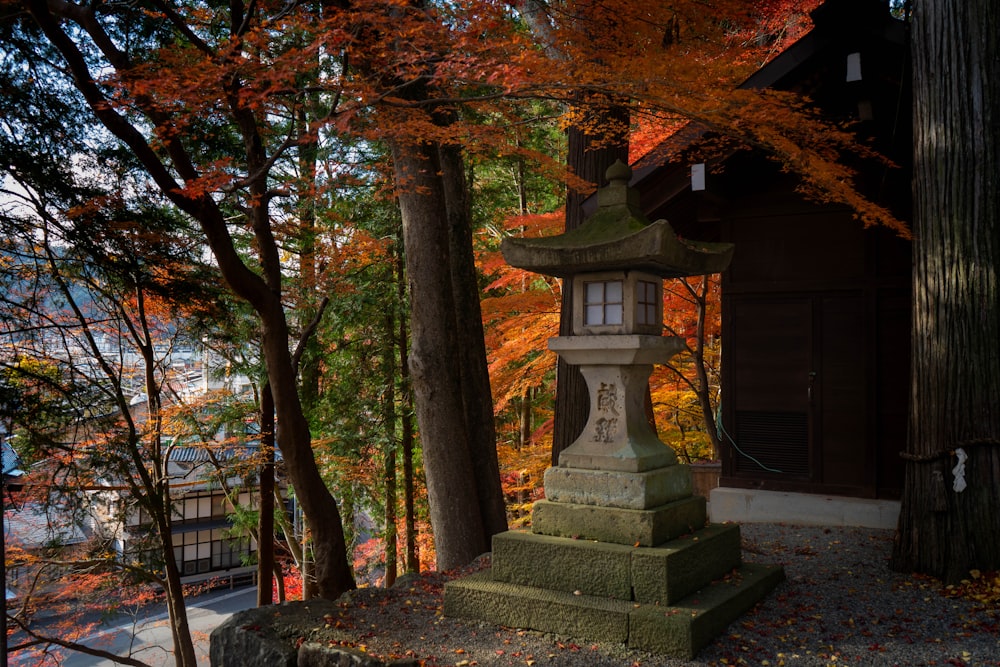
pixel 200 454
pixel 10 460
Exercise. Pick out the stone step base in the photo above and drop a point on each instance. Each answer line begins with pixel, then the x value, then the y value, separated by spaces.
pixel 654 575
pixel 646 527
pixel 615 488
pixel 678 630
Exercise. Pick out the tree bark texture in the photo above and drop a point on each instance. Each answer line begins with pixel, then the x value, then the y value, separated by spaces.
pixel 477 394
pixel 265 531
pixel 412 563
pixel 452 493
pixel 588 157
pixel 390 531
pixel 331 569
pixel 955 383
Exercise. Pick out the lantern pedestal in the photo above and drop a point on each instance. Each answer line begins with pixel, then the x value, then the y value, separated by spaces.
pixel 617 435
pixel 618 482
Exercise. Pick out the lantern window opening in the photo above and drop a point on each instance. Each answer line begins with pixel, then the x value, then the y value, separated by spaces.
pixel 647 307
pixel 604 303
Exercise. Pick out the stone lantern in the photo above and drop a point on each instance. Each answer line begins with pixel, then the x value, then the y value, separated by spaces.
pixel 619 545
pixel 617 261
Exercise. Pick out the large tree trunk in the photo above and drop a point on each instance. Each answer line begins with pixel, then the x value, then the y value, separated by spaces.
pixel 459 534
pixel 476 392
pixel 955 384
pixel 588 156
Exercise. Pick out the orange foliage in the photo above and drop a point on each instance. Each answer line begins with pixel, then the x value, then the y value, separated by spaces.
pixel 521 473
pixel 520 314
pixel 673 62
pixel 679 414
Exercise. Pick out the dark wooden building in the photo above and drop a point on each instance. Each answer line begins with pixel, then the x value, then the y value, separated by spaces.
pixel 816 309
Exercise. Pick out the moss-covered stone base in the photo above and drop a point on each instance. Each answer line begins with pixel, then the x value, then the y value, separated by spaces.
pixel 655 575
pixel 647 527
pixel 679 630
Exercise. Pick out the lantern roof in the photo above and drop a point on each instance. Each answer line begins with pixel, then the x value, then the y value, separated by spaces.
pixel 617 237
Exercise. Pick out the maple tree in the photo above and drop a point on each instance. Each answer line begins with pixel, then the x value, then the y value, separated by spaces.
pixel 687 388
pixel 189 176
pixel 189 95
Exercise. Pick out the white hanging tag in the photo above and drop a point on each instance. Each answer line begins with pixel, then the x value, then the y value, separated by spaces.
pixel 854 67
pixel 959 470
pixel 698 176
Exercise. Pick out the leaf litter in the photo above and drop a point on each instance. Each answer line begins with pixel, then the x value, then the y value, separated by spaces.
pixel 840 605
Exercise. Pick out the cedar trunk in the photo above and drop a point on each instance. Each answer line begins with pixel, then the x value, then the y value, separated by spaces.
pixel 412 563
pixel 473 366
pixel 955 383
pixel 459 534
pixel 390 531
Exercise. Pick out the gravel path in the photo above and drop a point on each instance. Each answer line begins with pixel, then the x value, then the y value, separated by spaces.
pixel 840 605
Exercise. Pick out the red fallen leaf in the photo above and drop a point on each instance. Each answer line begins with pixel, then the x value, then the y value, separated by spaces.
pixel 500 651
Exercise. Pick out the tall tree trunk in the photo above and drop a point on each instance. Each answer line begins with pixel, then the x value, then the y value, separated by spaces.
pixel 309 363
pixel 955 383
pixel 589 156
pixel 390 531
pixel 525 423
pixel 472 363
pixel 412 563
pixel 452 492
pixel 306 567
pixel 265 530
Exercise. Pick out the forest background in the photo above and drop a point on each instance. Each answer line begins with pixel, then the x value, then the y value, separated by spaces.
pixel 317 194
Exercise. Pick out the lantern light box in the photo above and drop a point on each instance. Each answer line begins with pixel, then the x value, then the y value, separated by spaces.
pixel 617 302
